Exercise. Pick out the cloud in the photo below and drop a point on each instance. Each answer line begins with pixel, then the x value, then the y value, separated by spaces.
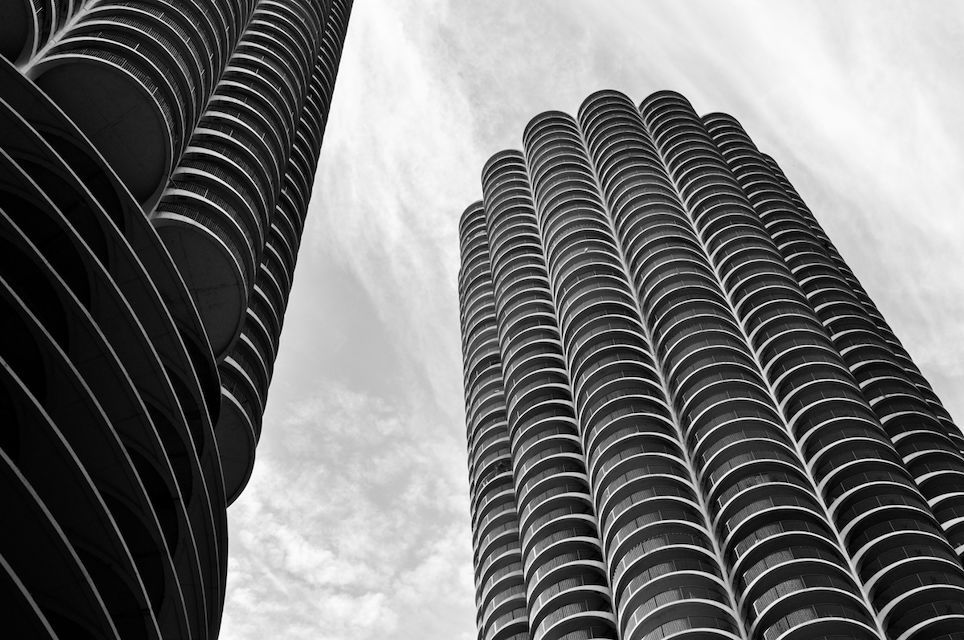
pixel 334 539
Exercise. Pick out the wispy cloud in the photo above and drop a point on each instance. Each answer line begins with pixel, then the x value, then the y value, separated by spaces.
pixel 355 523
pixel 344 534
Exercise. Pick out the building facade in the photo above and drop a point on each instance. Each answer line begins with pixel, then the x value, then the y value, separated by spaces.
pixel 156 162
pixel 685 417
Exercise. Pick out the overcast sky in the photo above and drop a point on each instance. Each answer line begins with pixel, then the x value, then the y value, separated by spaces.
pixel 355 523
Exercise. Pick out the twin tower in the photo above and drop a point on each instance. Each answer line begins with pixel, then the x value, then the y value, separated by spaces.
pixel 686 419
pixel 156 161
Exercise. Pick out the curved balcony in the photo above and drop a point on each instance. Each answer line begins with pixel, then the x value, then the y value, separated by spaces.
pixel 679 332
pixel 684 620
pixel 836 612
pixel 758 508
pixel 590 616
pixel 928 619
pixel 210 258
pixel 57 595
pixel 543 602
pixel 565 552
pixel 749 462
pixel 627 430
pixel 505 608
pixel 647 603
pixel 125 103
pixel 534 496
pixel 498 562
pixel 499 582
pixel 772 544
pixel 237 441
pixel 495 519
pixel 791 571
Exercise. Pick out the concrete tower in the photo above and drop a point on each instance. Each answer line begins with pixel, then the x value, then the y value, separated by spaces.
pixel 156 161
pixel 686 418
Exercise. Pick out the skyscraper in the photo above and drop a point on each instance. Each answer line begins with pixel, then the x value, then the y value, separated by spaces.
pixel 685 416
pixel 156 162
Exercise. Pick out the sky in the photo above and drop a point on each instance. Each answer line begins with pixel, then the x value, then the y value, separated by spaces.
pixel 355 524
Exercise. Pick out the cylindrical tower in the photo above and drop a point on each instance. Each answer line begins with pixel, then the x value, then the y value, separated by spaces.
pixel 123 439
pixel 763 459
